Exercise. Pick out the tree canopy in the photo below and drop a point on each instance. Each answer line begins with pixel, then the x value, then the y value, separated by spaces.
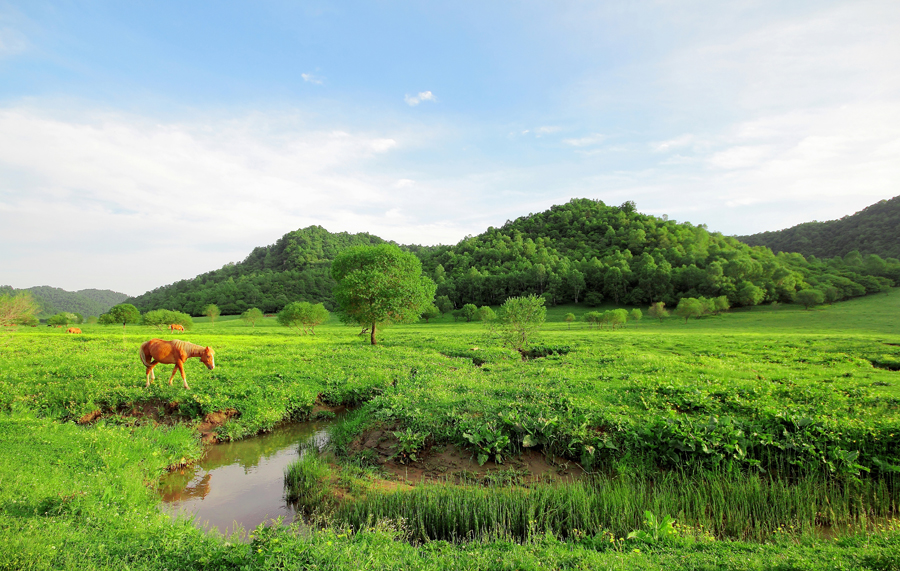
pixel 380 284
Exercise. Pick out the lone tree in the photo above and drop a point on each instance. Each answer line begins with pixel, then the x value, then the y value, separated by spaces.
pixel 212 312
pixel 123 313
pixel 570 317
pixel 163 318
pixel 658 310
pixel 520 318
pixel 252 315
pixel 303 315
pixel 62 319
pixel 430 312
pixel 380 284
pixel 809 297
pixel 689 307
pixel 17 309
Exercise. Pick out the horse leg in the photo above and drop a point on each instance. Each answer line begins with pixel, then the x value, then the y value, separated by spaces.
pixel 151 376
pixel 174 370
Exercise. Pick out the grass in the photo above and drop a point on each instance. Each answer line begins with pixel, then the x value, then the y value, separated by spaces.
pixel 746 424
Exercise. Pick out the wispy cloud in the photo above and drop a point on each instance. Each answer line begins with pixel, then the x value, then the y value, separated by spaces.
pixel 310 78
pixel 413 100
pixel 585 141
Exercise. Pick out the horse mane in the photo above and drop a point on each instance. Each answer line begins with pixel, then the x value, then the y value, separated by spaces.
pixel 190 349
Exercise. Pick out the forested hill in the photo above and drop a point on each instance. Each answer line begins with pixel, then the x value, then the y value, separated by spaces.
pixel 296 267
pixel 87 302
pixel 580 251
pixel 873 230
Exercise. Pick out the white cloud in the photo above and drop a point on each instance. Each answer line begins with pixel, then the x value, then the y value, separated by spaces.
pixel 210 192
pixel 585 141
pixel 310 78
pixel 547 130
pixel 413 100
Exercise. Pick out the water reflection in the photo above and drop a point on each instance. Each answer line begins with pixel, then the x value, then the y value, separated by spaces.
pixel 239 485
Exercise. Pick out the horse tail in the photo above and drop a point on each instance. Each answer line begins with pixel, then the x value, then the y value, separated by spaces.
pixel 142 355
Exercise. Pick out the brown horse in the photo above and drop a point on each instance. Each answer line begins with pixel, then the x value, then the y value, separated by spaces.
pixel 73 330
pixel 176 327
pixel 173 352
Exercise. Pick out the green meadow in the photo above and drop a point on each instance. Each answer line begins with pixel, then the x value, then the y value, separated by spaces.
pixel 770 436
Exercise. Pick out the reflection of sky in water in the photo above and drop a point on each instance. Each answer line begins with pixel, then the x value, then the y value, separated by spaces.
pixel 239 484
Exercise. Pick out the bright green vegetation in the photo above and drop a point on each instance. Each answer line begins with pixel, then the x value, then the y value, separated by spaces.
pixel 764 432
pixel 873 230
pixel 86 302
pixel 581 251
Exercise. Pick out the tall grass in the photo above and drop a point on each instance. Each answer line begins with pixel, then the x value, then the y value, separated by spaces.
pixel 727 506
pixel 306 480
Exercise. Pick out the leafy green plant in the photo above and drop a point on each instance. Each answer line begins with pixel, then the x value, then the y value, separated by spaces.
pixel 655 530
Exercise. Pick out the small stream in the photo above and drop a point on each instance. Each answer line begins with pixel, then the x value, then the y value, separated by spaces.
pixel 240 484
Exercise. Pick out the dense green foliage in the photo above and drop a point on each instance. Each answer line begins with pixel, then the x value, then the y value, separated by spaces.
pixel 873 230
pixel 123 313
pixel 303 316
pixel 580 251
pixel 87 302
pixel 296 268
pixel 758 424
pixel 163 318
pixel 380 284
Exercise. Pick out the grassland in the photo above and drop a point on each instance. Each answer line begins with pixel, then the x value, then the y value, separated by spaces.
pixel 771 435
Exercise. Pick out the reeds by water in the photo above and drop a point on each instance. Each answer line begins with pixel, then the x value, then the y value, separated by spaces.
pixel 733 506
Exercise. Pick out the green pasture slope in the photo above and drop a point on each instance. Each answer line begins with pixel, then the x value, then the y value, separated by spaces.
pixel 771 435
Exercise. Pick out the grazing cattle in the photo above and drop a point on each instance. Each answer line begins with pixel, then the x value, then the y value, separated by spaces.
pixel 176 327
pixel 73 330
pixel 173 352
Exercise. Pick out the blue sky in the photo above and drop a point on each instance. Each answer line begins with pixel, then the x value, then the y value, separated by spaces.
pixel 143 143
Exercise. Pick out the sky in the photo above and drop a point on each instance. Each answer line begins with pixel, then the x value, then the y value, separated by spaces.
pixel 142 143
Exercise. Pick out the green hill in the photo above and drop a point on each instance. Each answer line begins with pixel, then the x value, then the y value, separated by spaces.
pixel 87 302
pixel 873 230
pixel 296 267
pixel 580 251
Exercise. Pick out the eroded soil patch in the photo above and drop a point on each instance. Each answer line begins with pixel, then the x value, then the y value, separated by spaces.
pixel 443 463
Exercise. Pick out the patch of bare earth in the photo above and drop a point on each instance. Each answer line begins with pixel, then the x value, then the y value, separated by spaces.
pixel 452 463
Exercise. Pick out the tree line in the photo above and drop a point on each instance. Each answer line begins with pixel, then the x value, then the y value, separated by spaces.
pixel 581 252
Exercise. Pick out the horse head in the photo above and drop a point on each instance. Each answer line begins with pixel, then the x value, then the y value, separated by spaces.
pixel 207 358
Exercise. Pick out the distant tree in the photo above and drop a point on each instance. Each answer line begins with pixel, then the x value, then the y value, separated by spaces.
pixel 809 297
pixel 252 316
pixel 485 314
pixel 430 312
pixel 17 309
pixel 658 311
pixel 303 316
pixel 162 318
pixel 689 307
pixel 721 303
pixel 593 318
pixel 469 311
pixel 750 294
pixel 832 294
pixel 520 318
pixel 593 298
pixel 212 312
pixel 444 304
pixel 380 284
pixel 61 319
pixel 569 318
pixel 576 283
pixel 618 317
pixel 31 321
pixel 123 313
pixel 636 314
pixel 708 305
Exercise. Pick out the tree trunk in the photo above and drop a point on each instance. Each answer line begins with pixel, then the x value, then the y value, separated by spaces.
pixel 373 335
